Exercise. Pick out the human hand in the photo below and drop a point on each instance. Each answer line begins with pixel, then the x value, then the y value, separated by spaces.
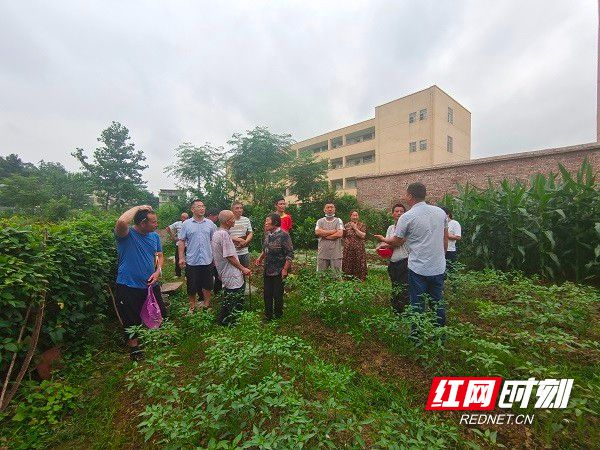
pixel 154 277
pixel 246 272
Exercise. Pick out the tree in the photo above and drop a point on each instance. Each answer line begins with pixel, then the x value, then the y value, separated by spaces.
pixel 307 177
pixel 116 171
pixel 197 166
pixel 257 161
pixel 13 165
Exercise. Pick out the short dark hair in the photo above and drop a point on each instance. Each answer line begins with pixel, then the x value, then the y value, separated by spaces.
pixel 278 199
pixel 398 205
pixel 275 219
pixel 142 215
pixel 195 200
pixel 447 211
pixel 237 202
pixel 213 212
pixel 417 190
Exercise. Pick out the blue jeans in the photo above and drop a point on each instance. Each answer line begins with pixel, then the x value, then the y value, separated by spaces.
pixel 431 285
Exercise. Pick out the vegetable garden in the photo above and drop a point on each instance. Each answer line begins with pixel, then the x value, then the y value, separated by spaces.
pixel 339 369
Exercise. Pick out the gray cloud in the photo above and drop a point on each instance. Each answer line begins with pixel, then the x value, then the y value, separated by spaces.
pixel 200 71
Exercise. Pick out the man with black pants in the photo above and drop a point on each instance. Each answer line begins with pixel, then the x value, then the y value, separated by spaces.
pixel 398 265
pixel 173 231
pixel 138 247
pixel 277 257
pixel 195 239
pixel 230 269
pixel 424 228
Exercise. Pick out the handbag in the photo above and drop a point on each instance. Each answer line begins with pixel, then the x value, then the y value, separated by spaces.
pixel 150 314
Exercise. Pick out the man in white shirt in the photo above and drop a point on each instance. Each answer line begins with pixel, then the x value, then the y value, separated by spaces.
pixel 454 235
pixel 229 268
pixel 398 265
pixel 425 229
pixel 173 231
pixel 241 233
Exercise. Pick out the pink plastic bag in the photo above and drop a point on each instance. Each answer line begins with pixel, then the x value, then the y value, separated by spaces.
pixel 150 314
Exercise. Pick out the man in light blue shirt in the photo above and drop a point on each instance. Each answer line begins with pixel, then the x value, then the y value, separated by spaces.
pixel 425 229
pixel 195 254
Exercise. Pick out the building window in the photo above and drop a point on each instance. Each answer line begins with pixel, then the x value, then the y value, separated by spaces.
pixel 412 117
pixel 368 159
pixel 450 115
pixel 449 145
pixel 423 114
pixel 412 147
pixel 337 184
pixel 350 183
pixel 423 144
pixel 337 163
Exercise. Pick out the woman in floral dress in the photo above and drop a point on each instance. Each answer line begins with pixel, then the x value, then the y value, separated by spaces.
pixel 354 262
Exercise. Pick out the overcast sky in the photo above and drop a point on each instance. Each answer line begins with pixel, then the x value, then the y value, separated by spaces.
pixel 175 71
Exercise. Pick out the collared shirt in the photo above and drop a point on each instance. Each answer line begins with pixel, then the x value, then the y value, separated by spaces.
pixel 423 227
pixel 453 228
pixel 400 252
pixel 175 227
pixel 197 236
pixel 136 257
pixel 241 229
pixel 278 248
pixel 222 248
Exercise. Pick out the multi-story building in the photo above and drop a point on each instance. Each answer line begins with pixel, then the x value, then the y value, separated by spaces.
pixel 420 130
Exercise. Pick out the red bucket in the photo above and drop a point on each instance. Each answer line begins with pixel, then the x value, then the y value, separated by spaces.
pixel 385 253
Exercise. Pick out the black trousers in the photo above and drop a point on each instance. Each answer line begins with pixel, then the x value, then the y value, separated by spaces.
pixel 398 272
pixel 177 268
pixel 231 306
pixel 273 295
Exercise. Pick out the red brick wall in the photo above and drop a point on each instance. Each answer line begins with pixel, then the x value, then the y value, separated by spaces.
pixel 382 191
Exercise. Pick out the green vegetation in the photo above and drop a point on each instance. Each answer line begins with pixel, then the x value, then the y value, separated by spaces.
pixel 551 227
pixel 337 371
pixel 65 267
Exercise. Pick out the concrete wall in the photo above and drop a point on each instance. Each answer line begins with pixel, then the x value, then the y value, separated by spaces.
pixel 382 191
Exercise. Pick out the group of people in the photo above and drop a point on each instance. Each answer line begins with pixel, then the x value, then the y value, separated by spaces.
pixel 421 240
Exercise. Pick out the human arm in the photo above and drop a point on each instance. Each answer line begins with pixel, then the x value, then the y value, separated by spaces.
pixel 261 258
pixel 160 259
pixel 338 233
pixel 170 233
pixel 360 233
pixel 234 261
pixel 122 224
pixel 445 239
pixel 181 251
pixel 288 249
pixel 454 231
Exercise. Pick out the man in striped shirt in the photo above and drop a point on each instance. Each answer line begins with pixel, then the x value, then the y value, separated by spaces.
pixel 241 234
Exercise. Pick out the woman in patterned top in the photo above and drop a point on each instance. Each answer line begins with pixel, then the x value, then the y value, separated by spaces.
pixel 277 257
pixel 354 261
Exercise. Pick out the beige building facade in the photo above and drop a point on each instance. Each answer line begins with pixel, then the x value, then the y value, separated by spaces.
pixel 422 129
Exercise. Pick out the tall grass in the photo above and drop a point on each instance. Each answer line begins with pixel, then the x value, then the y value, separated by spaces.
pixel 550 226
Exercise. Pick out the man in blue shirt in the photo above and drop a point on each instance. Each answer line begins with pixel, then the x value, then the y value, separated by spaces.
pixel 425 229
pixel 195 238
pixel 140 263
